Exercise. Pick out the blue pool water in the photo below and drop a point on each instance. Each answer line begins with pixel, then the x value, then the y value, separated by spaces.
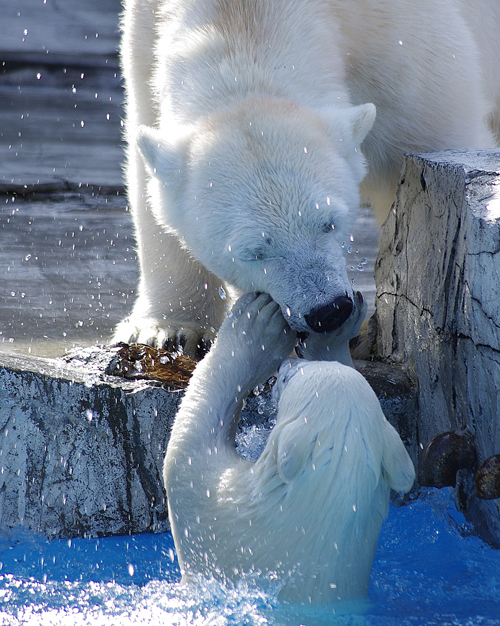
pixel 429 570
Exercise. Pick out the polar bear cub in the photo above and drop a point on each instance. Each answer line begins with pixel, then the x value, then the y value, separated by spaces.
pixel 308 512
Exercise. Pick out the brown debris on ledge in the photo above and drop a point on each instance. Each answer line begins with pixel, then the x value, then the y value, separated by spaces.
pixel 135 361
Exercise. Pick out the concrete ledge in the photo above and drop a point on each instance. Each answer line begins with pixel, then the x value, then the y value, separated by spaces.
pixel 438 301
pixel 81 452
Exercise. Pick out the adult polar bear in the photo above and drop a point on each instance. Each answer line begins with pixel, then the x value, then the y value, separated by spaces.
pixel 250 115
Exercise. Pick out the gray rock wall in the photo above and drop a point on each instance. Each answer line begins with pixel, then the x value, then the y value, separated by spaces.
pixel 438 299
pixel 81 452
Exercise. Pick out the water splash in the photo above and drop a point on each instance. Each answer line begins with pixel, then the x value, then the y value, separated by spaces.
pixel 428 570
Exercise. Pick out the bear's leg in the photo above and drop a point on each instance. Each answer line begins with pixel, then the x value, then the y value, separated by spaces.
pixel 178 301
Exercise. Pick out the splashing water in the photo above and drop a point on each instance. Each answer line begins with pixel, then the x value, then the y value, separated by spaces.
pixel 428 570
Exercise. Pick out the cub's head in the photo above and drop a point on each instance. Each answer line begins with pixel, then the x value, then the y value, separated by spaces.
pixel 264 193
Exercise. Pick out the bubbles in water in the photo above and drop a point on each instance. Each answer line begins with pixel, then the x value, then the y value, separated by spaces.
pixel 222 293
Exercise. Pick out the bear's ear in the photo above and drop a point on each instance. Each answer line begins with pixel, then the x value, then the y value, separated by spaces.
pixel 163 158
pixel 352 123
pixel 294 447
pixel 396 463
pixel 361 120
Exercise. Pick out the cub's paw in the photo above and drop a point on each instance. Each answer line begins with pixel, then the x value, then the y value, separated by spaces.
pixel 190 339
pixel 256 331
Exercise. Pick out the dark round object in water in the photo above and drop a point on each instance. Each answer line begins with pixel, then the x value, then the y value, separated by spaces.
pixel 443 456
pixel 487 479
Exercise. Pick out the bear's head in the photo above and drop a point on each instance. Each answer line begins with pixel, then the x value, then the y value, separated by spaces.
pixel 264 193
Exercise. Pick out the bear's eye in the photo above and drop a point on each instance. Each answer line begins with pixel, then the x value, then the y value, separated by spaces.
pixel 258 255
pixel 328 227
pixel 253 254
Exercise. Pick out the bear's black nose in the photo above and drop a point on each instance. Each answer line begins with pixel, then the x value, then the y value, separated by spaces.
pixel 330 316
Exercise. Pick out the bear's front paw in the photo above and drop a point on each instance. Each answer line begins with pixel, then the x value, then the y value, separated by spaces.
pixel 190 339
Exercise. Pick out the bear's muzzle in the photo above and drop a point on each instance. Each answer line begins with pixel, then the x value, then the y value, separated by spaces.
pixel 330 316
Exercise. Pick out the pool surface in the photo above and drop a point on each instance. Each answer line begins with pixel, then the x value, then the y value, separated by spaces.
pixel 429 569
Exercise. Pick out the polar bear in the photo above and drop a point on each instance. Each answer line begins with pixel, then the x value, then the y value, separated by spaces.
pixel 249 128
pixel 308 513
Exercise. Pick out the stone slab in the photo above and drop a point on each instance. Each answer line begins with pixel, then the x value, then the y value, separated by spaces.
pixel 47 27
pixel 81 455
pixel 438 297
pixel 81 451
pixel 61 131
pixel 68 271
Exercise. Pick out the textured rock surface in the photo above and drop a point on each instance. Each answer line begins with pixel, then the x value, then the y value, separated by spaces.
pixel 81 452
pixel 438 299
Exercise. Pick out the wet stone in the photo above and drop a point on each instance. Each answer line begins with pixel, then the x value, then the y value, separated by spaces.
pixel 81 451
pixel 438 309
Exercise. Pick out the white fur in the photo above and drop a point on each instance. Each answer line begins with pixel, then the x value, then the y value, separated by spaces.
pixel 308 513
pixel 249 115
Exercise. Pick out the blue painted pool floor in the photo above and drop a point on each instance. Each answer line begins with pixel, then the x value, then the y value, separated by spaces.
pixel 429 569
